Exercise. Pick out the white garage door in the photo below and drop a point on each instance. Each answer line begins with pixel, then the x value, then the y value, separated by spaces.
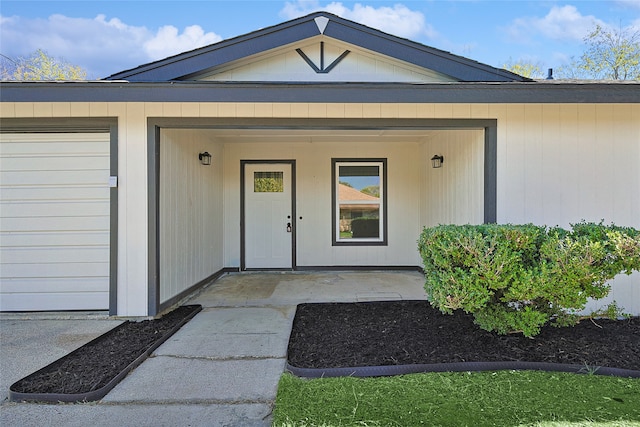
pixel 54 221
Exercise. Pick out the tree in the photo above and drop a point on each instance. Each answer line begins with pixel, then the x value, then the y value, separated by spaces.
pixel 40 66
pixel 612 54
pixel 524 69
pixel 609 55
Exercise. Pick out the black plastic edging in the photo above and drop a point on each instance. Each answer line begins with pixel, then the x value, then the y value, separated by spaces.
pixel 101 392
pixel 381 371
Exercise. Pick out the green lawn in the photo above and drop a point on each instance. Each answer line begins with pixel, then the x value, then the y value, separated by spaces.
pixel 504 398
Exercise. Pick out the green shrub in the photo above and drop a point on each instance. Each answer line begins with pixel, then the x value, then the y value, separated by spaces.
pixel 521 277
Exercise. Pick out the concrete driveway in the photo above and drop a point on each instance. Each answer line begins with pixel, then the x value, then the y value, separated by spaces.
pixel 220 369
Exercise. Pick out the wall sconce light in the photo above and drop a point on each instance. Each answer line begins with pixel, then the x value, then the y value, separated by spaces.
pixel 437 161
pixel 205 158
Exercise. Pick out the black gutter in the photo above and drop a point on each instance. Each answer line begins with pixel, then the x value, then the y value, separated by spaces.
pixel 492 93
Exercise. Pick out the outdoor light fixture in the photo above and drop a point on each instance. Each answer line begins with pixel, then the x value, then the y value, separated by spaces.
pixel 437 161
pixel 205 158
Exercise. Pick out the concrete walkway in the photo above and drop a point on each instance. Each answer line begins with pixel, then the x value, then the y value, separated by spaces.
pixel 221 369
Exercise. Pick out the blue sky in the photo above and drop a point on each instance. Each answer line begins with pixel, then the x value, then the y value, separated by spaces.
pixel 105 37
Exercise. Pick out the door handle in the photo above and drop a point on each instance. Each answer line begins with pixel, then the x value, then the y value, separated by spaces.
pixel 288 227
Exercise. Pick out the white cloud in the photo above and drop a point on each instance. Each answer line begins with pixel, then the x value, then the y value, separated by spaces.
pixel 562 23
pixel 100 45
pixel 398 20
pixel 635 4
pixel 168 41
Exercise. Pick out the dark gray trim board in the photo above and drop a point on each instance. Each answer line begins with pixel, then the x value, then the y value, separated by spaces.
pixel 201 61
pixel 153 204
pixel 61 124
pixel 83 125
pixel 451 93
pixel 305 268
pixel 490 174
pixel 490 149
pixel 113 232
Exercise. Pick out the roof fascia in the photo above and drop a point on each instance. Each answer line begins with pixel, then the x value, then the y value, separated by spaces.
pixel 461 68
pixel 197 62
pixel 504 93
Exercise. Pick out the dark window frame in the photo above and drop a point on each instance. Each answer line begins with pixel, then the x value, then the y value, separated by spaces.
pixel 335 241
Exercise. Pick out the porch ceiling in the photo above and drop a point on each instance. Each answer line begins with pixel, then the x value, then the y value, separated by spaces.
pixel 319 135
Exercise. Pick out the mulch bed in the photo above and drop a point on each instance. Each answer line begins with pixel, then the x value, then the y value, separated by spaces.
pixel 89 372
pixel 341 335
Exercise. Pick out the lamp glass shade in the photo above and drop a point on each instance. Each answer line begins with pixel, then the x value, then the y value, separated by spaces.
pixel 436 161
pixel 205 158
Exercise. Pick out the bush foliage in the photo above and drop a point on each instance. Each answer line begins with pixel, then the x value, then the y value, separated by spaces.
pixel 521 277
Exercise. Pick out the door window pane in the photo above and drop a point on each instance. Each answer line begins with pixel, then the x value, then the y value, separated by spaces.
pixel 268 182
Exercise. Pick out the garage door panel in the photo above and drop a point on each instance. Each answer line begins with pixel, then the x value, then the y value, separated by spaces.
pixel 52 163
pixel 59 270
pixel 13 148
pixel 54 178
pixel 54 301
pixel 53 254
pixel 25 193
pixel 54 221
pixel 78 209
pixel 45 239
pixel 96 223
pixel 55 284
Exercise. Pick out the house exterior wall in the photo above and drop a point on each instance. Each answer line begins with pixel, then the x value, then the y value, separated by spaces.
pixel 313 201
pixel 191 216
pixel 557 164
pixel 454 193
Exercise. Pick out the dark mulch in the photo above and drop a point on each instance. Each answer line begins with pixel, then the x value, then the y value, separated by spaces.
pixel 336 335
pixel 94 365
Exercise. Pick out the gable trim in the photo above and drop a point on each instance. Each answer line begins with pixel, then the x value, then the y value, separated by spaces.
pixel 187 65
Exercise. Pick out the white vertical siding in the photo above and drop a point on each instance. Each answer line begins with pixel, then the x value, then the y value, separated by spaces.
pixel 313 197
pixel 557 164
pixel 54 222
pixel 454 193
pixel 562 163
pixel 191 214
pixel 133 212
pixel 359 65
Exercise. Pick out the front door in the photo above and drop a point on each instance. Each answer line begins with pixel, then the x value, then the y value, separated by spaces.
pixel 268 216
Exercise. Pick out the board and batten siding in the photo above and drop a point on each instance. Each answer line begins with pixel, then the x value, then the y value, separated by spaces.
pixel 358 65
pixel 414 194
pixel 191 212
pixel 453 193
pixel 557 164
pixel 54 221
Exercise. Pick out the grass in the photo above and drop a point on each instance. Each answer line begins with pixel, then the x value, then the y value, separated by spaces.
pixel 504 398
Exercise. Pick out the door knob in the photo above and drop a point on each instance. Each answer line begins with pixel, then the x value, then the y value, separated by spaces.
pixel 288 227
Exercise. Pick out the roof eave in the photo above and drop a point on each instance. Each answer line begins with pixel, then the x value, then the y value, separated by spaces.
pixel 198 61
pixel 258 92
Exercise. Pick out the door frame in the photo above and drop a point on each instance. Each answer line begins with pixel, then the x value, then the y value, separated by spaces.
pixel 243 163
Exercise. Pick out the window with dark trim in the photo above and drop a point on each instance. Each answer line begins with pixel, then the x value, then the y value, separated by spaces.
pixel 359 201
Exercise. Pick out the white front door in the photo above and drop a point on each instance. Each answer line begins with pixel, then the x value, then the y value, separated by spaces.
pixel 268 217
